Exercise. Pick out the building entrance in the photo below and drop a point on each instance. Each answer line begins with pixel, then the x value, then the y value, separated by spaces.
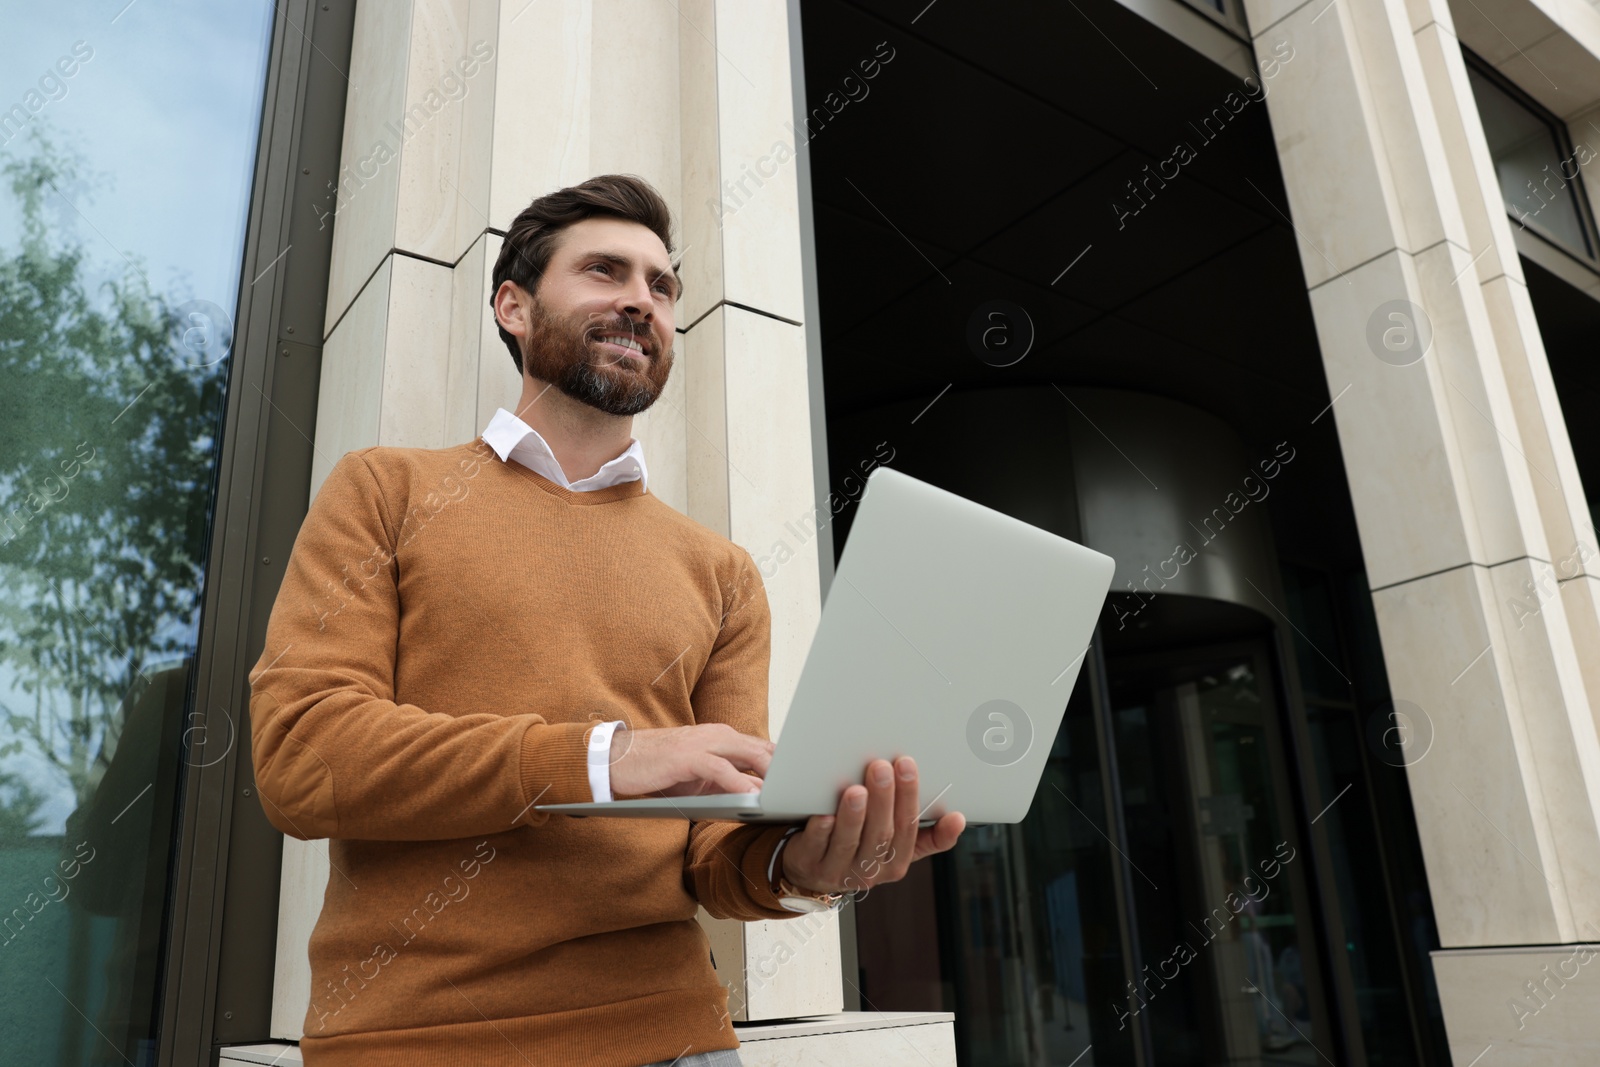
pixel 1217 867
pixel 1156 906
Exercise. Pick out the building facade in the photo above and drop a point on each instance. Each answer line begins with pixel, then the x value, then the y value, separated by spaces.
pixel 1287 306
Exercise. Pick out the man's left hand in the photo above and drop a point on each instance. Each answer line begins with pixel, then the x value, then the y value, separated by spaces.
pixel 874 837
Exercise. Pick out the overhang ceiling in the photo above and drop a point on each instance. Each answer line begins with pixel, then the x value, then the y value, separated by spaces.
pixel 983 163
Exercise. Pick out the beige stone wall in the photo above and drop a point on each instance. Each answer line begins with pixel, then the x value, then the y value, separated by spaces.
pixel 1528 1007
pixel 458 113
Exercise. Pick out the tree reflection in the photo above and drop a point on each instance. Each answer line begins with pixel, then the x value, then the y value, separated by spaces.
pixel 111 400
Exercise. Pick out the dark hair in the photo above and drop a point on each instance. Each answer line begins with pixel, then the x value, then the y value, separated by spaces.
pixel 534 232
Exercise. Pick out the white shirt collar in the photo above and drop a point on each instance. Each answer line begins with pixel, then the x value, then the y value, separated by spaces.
pixel 513 439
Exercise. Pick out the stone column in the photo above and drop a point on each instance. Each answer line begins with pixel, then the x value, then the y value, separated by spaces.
pixel 747 408
pixel 395 370
pixel 1462 478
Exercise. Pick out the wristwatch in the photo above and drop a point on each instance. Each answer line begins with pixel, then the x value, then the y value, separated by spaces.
pixel 792 896
pixel 797 899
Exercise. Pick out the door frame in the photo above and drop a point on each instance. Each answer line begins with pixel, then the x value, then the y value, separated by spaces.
pixel 222 909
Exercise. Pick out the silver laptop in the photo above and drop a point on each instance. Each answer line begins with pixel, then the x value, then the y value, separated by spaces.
pixel 952 633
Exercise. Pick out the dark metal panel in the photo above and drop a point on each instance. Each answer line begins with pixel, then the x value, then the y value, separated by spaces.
pixel 1121 870
pixel 223 918
pixel 1310 804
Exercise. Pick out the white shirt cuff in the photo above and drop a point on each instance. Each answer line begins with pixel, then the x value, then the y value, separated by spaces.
pixel 600 759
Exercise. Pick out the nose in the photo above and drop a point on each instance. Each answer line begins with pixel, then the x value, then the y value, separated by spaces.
pixel 636 301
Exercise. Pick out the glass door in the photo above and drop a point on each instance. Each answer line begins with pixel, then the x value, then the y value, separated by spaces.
pixel 1229 971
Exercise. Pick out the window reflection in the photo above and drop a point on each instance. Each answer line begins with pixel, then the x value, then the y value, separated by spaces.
pixel 124 186
pixel 1539 173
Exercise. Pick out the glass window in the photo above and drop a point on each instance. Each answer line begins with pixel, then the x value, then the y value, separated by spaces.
pixel 1538 171
pixel 127 144
pixel 1229 14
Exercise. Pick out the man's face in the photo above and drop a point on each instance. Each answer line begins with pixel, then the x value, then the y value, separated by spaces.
pixel 608 281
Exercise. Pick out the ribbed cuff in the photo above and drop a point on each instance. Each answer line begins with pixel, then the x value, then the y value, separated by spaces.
pixel 757 865
pixel 555 766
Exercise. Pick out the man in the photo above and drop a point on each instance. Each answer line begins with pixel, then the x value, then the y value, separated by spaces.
pixel 465 632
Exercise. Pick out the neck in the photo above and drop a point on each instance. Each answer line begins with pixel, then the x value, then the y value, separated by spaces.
pixel 583 438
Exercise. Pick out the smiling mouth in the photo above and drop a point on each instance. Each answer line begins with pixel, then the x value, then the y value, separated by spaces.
pixel 622 345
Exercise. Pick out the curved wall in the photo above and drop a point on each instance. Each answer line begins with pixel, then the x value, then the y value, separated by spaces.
pixel 1165 489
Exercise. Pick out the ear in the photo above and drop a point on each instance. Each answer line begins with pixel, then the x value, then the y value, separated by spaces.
pixel 511 308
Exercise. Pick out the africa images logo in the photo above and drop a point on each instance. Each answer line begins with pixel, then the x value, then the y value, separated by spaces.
pixel 999 733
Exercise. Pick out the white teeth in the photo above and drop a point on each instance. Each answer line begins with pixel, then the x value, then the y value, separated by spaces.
pixel 625 342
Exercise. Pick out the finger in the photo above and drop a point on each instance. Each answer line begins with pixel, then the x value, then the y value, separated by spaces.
pixel 745 751
pixel 941 836
pixel 804 853
pixel 816 837
pixel 755 780
pixel 906 795
pixel 850 818
pixel 724 776
pixel 878 834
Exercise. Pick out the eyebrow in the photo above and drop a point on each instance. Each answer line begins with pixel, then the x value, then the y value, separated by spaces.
pixel 620 260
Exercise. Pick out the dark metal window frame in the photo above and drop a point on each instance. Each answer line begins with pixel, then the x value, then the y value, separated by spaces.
pixel 223 907
pixel 1590 255
pixel 1230 19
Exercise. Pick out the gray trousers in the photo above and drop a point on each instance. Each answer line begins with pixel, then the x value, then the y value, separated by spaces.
pixel 722 1057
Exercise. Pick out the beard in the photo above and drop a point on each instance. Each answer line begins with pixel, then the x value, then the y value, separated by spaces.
pixel 567 354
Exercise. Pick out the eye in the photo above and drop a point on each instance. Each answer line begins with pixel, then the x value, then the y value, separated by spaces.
pixel 601 266
pixel 664 287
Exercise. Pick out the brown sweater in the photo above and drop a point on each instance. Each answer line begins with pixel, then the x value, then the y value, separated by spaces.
pixel 449 629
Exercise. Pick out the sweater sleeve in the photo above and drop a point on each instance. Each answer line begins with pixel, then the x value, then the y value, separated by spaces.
pixel 725 867
pixel 334 754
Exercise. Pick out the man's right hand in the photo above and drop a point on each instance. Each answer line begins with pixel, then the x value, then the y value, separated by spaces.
pixel 687 761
